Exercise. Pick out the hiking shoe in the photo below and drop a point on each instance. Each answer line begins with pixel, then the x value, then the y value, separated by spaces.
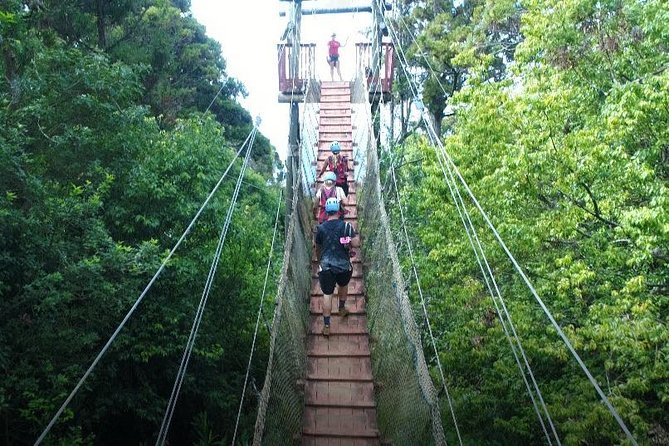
pixel 343 312
pixel 326 330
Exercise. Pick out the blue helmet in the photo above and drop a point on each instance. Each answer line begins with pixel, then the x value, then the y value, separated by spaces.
pixel 330 176
pixel 331 205
pixel 335 147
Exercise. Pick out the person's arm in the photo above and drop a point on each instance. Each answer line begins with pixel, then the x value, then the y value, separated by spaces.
pixel 317 243
pixel 343 200
pixel 317 202
pixel 325 166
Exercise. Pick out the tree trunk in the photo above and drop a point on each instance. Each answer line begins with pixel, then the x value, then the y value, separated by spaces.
pixel 11 73
pixel 102 32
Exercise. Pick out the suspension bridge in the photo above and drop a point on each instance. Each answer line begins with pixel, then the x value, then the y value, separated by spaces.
pixel 367 383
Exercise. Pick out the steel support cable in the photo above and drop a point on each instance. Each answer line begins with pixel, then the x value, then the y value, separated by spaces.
pixel 304 144
pixel 527 282
pixel 504 307
pixel 541 303
pixel 164 428
pixel 468 225
pixel 255 331
pixel 422 53
pixel 198 317
pixel 276 319
pixel 499 313
pixel 370 134
pixel 139 299
pixel 436 140
pixel 309 124
pixel 422 301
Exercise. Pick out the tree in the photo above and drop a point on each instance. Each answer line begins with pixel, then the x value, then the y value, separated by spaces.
pixel 565 155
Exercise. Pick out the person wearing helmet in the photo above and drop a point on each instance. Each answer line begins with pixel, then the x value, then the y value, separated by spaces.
pixel 333 238
pixel 338 164
pixel 333 56
pixel 328 190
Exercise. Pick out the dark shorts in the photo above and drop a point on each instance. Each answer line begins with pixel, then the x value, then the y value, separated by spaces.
pixel 328 279
pixel 333 59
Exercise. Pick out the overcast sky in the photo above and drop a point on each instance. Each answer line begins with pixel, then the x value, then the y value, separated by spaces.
pixel 249 31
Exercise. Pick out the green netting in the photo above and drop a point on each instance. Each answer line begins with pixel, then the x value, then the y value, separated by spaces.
pixel 281 402
pixel 407 402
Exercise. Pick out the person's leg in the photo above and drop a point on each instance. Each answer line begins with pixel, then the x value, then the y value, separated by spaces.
pixel 342 281
pixel 344 187
pixel 343 295
pixel 332 65
pixel 338 70
pixel 327 282
pixel 327 311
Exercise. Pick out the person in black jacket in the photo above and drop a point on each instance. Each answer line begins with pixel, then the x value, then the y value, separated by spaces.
pixel 333 239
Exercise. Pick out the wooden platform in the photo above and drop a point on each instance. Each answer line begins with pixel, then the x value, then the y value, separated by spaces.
pixel 339 390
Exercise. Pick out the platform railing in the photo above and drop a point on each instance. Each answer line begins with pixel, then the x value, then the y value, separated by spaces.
pixel 379 78
pixel 293 81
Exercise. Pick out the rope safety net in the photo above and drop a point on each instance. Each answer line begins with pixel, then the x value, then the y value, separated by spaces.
pixel 282 400
pixel 407 403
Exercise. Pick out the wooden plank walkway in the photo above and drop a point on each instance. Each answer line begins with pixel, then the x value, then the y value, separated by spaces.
pixel 339 390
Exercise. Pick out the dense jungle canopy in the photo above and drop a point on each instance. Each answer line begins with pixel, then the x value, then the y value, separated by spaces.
pixel 555 111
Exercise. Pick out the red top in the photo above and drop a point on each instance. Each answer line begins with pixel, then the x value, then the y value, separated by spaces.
pixel 333 48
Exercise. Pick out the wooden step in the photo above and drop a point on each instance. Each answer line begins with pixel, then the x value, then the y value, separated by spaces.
pixel 335 136
pixel 334 120
pixel 334 106
pixel 356 368
pixel 335 111
pixel 354 304
pixel 353 324
pixel 334 128
pixel 335 84
pixel 336 345
pixel 336 91
pixel 348 422
pixel 324 440
pixel 339 393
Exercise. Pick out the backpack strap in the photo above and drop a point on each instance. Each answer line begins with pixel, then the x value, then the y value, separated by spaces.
pixel 348 229
pixel 325 194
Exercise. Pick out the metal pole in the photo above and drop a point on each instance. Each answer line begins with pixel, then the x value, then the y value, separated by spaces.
pixel 294 39
pixel 293 158
pixel 352 9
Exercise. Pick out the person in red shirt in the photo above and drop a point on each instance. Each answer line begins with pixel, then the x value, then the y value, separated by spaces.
pixel 333 56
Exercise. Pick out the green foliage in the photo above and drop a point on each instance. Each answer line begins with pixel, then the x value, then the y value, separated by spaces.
pixel 95 188
pixel 456 42
pixel 567 153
